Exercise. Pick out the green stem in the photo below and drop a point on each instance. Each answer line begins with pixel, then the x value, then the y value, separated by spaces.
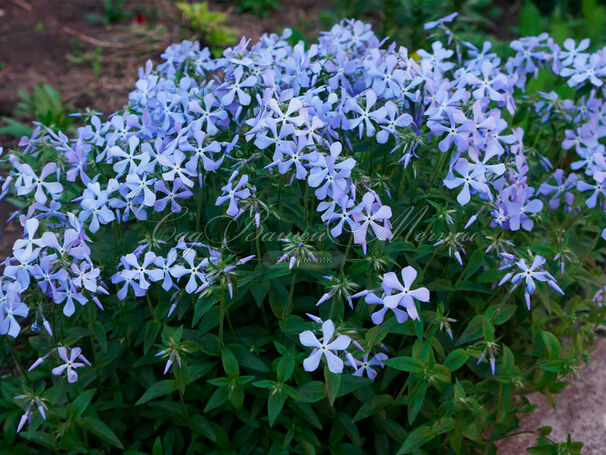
pixel 384 162
pixel 221 318
pixel 305 204
pixel 401 185
pixel 199 211
pixel 454 287
pixel 401 392
pixel 291 293
pixel 371 342
pixel 115 239
pixel 587 251
pixel 124 330
pixel 258 248
pixel 149 305
pixel 370 156
pixel 347 251
pixel 18 365
pixel 438 171
pixel 333 306
pixel 90 331
pixel 278 207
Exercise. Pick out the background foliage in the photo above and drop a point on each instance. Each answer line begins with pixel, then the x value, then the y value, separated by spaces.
pixel 248 390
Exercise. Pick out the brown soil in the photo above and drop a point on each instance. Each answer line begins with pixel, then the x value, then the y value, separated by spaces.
pixel 580 412
pixel 37 38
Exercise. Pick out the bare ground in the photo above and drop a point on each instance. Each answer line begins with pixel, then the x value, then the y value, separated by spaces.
pixel 580 411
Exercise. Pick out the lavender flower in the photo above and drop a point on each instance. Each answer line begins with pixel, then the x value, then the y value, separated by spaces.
pixel 71 363
pixel 326 348
pixel 366 365
pixel 233 194
pixel 406 296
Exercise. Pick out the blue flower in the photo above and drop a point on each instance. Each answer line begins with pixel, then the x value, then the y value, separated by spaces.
pixel 71 363
pixel 400 293
pixel 237 86
pixel 470 177
pixel 365 365
pixel 234 193
pixel 327 348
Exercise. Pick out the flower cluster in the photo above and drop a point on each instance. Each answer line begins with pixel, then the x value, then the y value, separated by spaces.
pixel 397 296
pixel 340 136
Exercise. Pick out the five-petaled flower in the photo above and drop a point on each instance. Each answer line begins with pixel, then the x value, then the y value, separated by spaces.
pixel 399 294
pixel 326 348
pixel 71 363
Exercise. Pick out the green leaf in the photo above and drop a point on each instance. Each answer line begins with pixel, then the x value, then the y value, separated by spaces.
pixel 530 19
pixel 416 396
pixel 275 271
pixel 203 305
pixel 274 405
pixel 158 389
pixel 265 384
pixel 552 345
pixel 419 327
pixel 39 437
pixel 475 262
pixel 220 382
pixel 502 313
pixel 259 291
pixel 99 333
pixel 278 297
pixel 372 406
pixel 416 439
pixel 152 329
pixel 456 359
pixel 230 363
pixel 333 381
pixel 157 447
pixel 404 363
pixel 473 331
pixel 307 413
pixel 508 361
pixel 555 366
pixel 545 250
pixel 203 426
pixel 198 370
pixel 236 396
pixel 350 383
pixel 16 129
pixel 489 276
pixel 248 359
pixel 218 397
pixel 350 428
pixel 310 392
pixel 101 430
pixel 286 366
pixel 441 373
pixel 79 405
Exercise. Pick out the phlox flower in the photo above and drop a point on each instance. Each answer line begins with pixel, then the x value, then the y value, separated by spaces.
pixel 470 177
pixel 400 294
pixel 234 193
pixel 71 363
pixel 325 348
pixel 365 365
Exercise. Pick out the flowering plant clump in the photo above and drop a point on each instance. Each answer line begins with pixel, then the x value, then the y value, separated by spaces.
pixel 335 248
